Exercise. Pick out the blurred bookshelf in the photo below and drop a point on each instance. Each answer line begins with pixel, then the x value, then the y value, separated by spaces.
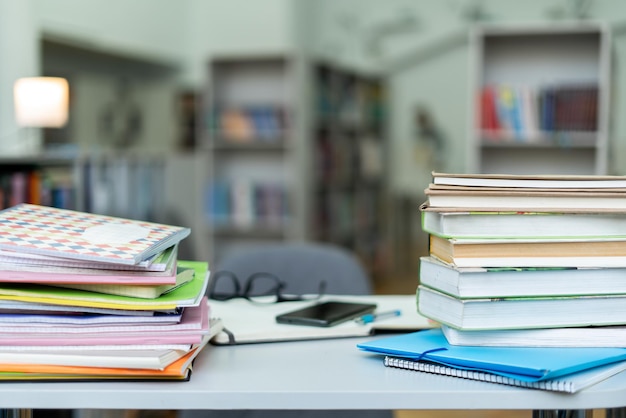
pixel 115 185
pixel 44 180
pixel 350 167
pixel 248 146
pixel 293 150
pixel 541 98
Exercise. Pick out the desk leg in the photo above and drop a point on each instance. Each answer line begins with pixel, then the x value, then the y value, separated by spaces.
pixel 16 413
pixel 576 413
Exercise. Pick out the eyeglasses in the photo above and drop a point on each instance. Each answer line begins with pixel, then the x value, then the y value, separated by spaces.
pixel 259 287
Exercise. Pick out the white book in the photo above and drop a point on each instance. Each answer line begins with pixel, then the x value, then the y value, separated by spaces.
pixel 522 225
pixel 543 181
pixel 521 313
pixel 609 336
pixel 493 282
pixel 544 200
pixel 571 383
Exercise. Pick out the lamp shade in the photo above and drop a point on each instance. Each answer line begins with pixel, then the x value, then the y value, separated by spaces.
pixel 41 101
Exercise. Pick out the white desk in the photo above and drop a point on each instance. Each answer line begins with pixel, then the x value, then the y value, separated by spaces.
pixel 328 374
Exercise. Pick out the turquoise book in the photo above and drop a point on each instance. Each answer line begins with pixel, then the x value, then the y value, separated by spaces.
pixel 531 364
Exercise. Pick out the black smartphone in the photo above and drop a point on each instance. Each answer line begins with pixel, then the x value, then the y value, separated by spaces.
pixel 326 314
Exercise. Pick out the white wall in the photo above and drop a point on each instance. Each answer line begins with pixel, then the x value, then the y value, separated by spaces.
pixel 155 29
pixel 19 57
pixel 234 27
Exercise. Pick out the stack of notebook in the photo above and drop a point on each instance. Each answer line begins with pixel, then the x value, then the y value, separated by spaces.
pixel 93 297
pixel 523 266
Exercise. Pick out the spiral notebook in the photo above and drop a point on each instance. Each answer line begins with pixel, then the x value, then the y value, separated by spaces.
pixel 572 383
pixel 531 364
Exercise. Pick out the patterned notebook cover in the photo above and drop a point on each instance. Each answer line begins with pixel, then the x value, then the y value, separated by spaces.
pixel 79 235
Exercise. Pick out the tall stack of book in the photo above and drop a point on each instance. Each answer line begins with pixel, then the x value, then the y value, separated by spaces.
pixel 93 297
pixel 524 272
pixel 524 252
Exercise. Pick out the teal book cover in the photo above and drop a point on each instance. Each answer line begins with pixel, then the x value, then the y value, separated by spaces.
pixel 529 364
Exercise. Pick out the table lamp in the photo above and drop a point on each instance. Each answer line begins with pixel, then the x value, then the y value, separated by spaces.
pixel 41 102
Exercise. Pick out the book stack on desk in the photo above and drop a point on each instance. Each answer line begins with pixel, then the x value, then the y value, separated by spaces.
pixel 92 297
pixel 538 252
pixel 531 262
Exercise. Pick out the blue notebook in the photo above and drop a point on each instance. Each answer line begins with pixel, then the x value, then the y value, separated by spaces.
pixel 529 364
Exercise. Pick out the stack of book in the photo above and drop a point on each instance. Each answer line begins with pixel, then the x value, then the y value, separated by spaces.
pixel 523 265
pixel 524 252
pixel 93 297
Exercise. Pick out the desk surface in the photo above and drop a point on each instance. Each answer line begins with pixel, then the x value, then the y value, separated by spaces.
pixel 328 374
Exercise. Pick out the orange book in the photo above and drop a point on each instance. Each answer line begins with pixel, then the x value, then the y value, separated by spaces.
pixel 34 187
pixel 179 368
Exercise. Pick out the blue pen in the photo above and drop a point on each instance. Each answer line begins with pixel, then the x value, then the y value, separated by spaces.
pixel 369 318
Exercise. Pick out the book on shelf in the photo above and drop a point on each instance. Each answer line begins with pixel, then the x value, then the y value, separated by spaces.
pixel 251 124
pixel 86 236
pixel 521 312
pixel 529 253
pixel 543 181
pixel 489 120
pixel 519 111
pixel 601 336
pixel 571 383
pixel 461 223
pixel 530 364
pixel 497 282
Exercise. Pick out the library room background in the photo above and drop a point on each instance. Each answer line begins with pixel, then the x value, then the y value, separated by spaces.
pixel 321 121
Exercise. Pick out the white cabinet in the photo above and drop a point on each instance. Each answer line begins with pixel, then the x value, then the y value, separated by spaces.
pixel 540 99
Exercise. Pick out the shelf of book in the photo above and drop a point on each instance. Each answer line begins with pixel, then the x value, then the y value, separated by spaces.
pixel 350 167
pixel 43 180
pixel 541 87
pixel 125 186
pixel 566 139
pixel 249 186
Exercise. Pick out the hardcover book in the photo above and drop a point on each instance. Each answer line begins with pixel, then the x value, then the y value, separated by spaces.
pixel 521 312
pixel 496 282
pixel 529 253
pixel 607 336
pixel 537 200
pixel 529 181
pixel 519 224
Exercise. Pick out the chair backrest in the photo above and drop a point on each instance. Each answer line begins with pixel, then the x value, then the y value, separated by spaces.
pixel 302 266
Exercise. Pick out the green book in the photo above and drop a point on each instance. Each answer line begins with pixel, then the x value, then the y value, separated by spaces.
pixel 188 294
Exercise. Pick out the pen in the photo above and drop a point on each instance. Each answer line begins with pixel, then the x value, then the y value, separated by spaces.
pixel 369 318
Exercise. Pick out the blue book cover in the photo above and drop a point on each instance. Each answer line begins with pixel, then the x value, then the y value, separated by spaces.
pixel 529 364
